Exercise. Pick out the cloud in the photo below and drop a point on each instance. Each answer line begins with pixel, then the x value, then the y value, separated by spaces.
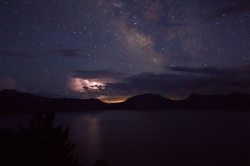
pixel 14 54
pixel 244 69
pixel 97 74
pixel 231 7
pixel 71 53
pixel 184 81
pixel 92 83
pixel 200 70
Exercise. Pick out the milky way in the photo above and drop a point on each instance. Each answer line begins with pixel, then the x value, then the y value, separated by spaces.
pixel 119 48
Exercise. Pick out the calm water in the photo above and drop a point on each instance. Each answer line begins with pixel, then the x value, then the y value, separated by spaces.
pixel 155 138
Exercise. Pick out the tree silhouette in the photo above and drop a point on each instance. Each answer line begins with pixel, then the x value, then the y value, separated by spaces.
pixel 41 144
pixel 100 163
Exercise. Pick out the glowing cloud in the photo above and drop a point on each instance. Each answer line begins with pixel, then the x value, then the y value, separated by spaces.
pixel 86 85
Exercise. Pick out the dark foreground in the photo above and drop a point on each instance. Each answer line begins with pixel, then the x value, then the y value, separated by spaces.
pixel 39 144
pixel 130 138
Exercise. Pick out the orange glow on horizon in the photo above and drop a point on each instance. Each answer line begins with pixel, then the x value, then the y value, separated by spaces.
pixel 113 99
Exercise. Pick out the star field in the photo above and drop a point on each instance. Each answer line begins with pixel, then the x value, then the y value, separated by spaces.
pixel 69 48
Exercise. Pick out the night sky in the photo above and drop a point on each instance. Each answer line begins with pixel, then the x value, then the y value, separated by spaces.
pixel 112 49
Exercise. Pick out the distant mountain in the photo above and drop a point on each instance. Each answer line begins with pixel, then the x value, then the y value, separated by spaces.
pixel 146 102
pixel 12 101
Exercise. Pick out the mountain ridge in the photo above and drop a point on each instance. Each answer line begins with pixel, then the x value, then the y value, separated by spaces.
pixel 12 101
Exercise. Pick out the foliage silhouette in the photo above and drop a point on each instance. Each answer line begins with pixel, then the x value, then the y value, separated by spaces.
pixel 41 144
pixel 100 163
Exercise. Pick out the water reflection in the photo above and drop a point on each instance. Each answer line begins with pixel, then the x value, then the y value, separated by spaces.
pixel 87 134
pixel 92 130
pixel 162 138
pixel 159 138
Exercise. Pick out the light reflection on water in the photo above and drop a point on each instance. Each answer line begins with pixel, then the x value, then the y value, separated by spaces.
pixel 92 133
pixel 85 132
pixel 160 138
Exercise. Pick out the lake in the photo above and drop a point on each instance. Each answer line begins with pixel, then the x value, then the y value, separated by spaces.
pixel 155 138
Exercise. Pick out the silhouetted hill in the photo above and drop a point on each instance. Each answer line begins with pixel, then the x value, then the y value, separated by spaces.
pixel 12 101
pixel 146 101
pixel 19 96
